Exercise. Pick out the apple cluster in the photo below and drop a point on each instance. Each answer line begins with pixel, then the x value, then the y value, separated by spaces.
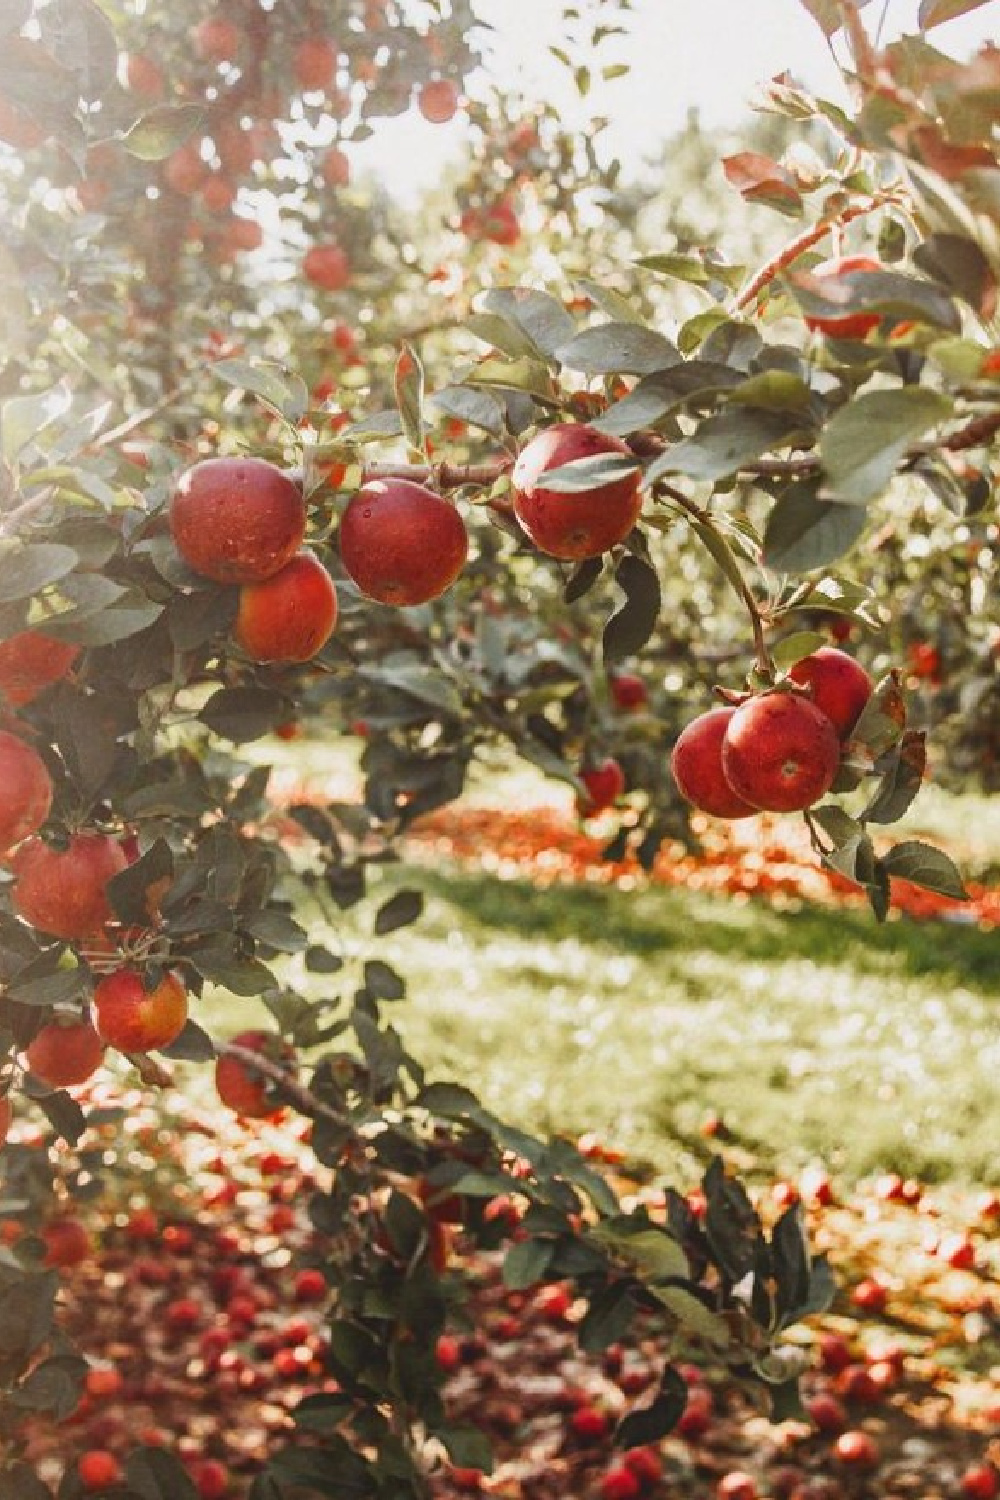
pixel 778 751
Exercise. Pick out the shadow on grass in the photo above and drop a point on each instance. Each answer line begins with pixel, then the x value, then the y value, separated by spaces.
pixel 669 921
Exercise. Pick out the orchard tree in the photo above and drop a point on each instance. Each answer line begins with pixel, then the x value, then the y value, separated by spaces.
pixel 234 497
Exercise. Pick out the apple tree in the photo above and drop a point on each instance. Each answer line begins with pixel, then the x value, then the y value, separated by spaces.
pixel 263 462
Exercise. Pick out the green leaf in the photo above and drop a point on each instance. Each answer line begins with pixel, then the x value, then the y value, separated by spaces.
pixel 958 264
pixel 648 1424
pixel 22 1483
pixel 478 408
pixel 55 1386
pixel 891 294
pixel 64 1115
pixel 382 982
pixel 653 1252
pixel 526 374
pixel 128 891
pixel 408 384
pixel 724 443
pixel 161 130
pixel 608 1318
pixel 468 1448
pixel 279 388
pixel 794 647
pixel 399 911
pixel 155 1474
pixel 583 474
pixel 631 626
pixel 926 866
pixel 619 349
pixel 900 781
pixel 540 317
pixel 804 532
pixel 864 442
pixel 218 962
pixel 936 12
pixel 508 337
pixel 773 390
pixel 23 417
pixel 27 570
pixel 883 718
pixel 243 713
pixel 526 1263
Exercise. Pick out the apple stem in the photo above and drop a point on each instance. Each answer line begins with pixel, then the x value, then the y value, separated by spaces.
pixel 723 555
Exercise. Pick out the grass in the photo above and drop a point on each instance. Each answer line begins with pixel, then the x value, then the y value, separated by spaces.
pixel 813 1033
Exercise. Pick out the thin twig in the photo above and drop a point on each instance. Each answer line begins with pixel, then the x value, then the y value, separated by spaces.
pixel 448 476
pixel 804 242
pixel 303 1098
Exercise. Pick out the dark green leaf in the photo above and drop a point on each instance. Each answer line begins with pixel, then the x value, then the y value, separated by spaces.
pixel 631 626
pixel 804 532
pixel 156 1474
pixel 608 1318
pixel 193 1045
pixel 468 1448
pixel 382 982
pixel 724 443
pixel 526 1263
pixel 619 349
pixel 128 892
pixel 399 911
pixel 926 866
pixel 55 1386
pixel 585 474
pixel 408 384
pixel 64 1115
pixel 218 962
pixel 582 579
pixel 243 713
pixel 478 408
pixel 649 1424
pixel 958 264
pixel 900 781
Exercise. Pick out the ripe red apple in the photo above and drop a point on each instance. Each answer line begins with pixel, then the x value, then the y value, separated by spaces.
pixel 63 891
pixel 211 1479
pixel 314 63
pixel 590 1423
pixel 246 1092
pixel 870 1295
pixel 185 171
pixel 980 1482
pixel 645 1463
pixel 448 1353
pixel 780 753
pixel 6 1118
pixel 289 616
pixel 67 1243
pixel 65 1054
pixel 135 1018
pixel 216 40
pixel 957 1251
pixel 627 691
pixel 696 763
pixel 182 1314
pixel 310 1286
pixel 605 783
pixel 856 1450
pixel 30 662
pixel 499 223
pixel 834 1353
pixel 97 1469
pixel 840 686
pixel 848 325
pixel 25 791
pixel 737 1485
pixel 826 1413
pixel 437 100
pixel 573 525
pixel 619 1483
pixel 401 543
pixel 237 520
pixel 696 1418
pixel 335 168
pixel 327 267
pixel 104 1383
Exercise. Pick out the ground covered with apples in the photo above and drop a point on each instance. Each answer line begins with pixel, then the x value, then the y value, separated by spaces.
pixel 196 1290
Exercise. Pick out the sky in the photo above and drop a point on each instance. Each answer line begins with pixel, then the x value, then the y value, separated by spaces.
pixel 709 54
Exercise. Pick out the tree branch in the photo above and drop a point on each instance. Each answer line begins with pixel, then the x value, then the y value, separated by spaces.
pixel 304 1100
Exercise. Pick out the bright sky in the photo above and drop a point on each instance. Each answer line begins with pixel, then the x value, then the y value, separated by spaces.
pixel 682 53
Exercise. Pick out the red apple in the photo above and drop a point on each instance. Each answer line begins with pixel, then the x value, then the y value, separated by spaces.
pixel 847 325
pixel 696 764
pixel 582 523
pixel 840 686
pixel 780 753
pixel 237 520
pixel 401 543
pixel 25 791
